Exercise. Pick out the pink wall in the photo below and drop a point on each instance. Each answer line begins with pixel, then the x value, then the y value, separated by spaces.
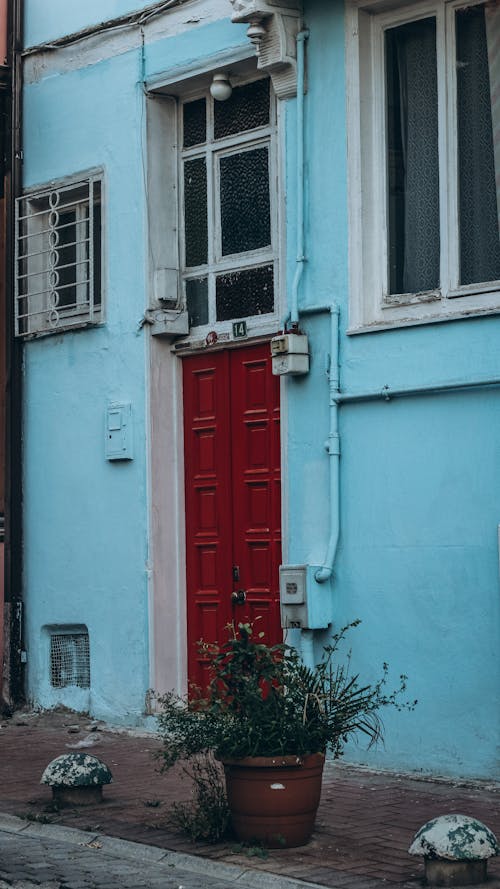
pixel 3 31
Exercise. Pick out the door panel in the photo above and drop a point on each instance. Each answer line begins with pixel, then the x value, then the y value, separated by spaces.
pixel 206 435
pixel 233 501
pixel 256 487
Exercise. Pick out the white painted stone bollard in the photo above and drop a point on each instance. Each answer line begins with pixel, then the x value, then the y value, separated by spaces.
pixel 456 849
pixel 76 779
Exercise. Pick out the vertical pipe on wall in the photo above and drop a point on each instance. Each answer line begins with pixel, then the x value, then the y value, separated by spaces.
pixel 300 258
pixel 333 449
pixel 307 648
pixel 332 444
pixel 13 679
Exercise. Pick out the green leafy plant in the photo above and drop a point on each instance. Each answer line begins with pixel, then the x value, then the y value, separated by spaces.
pixel 263 701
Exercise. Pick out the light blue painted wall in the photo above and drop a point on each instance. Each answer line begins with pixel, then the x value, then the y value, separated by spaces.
pixel 86 519
pixel 420 478
pixel 46 20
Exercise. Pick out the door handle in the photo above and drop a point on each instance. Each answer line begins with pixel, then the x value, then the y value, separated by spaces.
pixel 238 597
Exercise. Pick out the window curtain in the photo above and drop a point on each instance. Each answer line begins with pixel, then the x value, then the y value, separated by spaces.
pixel 417 71
pixel 492 22
pixel 478 109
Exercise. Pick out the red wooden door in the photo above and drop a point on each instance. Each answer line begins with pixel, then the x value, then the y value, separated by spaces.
pixel 233 503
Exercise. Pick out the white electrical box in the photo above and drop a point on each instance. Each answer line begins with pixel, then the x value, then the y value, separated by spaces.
pixel 290 354
pixel 166 286
pixel 118 441
pixel 170 323
pixel 305 603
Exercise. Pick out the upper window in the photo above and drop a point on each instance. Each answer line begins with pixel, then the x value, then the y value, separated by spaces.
pixel 425 162
pixel 228 205
pixel 58 258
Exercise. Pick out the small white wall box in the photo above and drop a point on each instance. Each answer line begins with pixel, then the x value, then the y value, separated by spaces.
pixel 290 354
pixel 166 284
pixel 305 603
pixel 118 442
pixel 170 323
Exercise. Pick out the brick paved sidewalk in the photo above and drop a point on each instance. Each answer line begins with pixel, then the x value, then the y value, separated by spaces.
pixel 365 821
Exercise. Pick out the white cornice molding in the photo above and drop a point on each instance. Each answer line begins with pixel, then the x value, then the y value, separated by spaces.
pixel 273 27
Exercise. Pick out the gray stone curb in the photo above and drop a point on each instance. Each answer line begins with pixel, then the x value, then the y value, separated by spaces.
pixel 244 877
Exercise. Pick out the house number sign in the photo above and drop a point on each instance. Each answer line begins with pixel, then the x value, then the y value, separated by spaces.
pixel 239 329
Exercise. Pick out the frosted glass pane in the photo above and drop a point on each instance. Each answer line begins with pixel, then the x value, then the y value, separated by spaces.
pixel 247 109
pixel 195 122
pixel 195 211
pixel 197 301
pixel 244 200
pixel 245 293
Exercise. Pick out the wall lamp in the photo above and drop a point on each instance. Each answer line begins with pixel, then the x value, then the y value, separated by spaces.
pixel 220 88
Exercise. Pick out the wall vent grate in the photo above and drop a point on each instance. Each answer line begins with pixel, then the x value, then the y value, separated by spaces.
pixel 69 660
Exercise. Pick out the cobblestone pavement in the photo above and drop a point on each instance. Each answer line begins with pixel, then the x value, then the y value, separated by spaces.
pixel 39 856
pixel 365 822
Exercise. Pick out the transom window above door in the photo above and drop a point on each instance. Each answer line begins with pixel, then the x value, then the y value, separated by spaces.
pixel 424 119
pixel 228 205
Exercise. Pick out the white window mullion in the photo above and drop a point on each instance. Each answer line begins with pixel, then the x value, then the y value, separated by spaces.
pixel 90 251
pixel 380 158
pixel 216 208
pixel 448 156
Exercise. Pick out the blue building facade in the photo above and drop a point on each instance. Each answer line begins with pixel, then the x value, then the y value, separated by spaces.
pixel 164 218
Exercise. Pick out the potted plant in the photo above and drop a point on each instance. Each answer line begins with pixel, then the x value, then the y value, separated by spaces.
pixel 270 720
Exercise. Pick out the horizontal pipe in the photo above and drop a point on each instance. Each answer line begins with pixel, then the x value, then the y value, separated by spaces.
pixel 387 394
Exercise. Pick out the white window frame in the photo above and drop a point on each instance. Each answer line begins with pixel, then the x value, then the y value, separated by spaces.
pixel 38 311
pixel 371 306
pixel 213 149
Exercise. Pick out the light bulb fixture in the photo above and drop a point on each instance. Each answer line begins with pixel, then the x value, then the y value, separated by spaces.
pixel 220 88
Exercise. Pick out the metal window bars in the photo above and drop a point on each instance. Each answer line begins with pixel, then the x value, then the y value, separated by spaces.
pixel 58 235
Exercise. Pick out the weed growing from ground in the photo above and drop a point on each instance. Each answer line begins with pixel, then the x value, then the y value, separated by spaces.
pixel 206 815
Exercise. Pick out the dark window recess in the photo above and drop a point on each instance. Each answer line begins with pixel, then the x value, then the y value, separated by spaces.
pixel 197 301
pixel 68 269
pixel 4 129
pixel 476 27
pixel 195 211
pixel 244 293
pixel 97 253
pixel 244 201
pixel 246 109
pixel 413 163
pixel 195 122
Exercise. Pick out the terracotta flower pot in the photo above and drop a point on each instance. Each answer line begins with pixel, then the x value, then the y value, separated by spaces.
pixel 273 800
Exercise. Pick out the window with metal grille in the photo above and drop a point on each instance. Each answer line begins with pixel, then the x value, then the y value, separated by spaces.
pixel 69 659
pixel 58 257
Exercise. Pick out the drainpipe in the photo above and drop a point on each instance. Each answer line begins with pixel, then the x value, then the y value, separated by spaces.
pixel 300 258
pixel 307 648
pixel 13 680
pixel 332 444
